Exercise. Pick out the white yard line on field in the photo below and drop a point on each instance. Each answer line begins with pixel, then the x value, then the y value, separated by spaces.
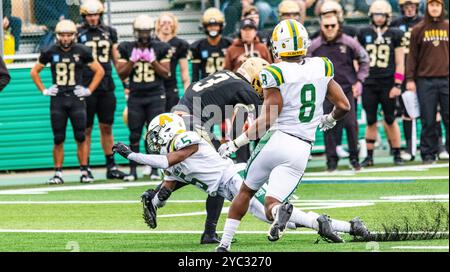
pixel 420 247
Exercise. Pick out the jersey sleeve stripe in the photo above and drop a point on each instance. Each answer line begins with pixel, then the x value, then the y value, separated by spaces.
pixel 276 74
pixel 293 31
pixel 328 68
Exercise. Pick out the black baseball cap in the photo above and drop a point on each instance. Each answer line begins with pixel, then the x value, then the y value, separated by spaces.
pixel 247 22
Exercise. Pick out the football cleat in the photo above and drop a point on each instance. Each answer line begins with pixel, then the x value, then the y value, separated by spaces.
pixel 443 155
pixel 354 165
pixel 326 231
pixel 398 160
pixel 341 152
pixel 210 239
pixel 55 180
pixel 115 173
pixel 87 177
pixel 222 248
pixel 357 228
pixel 406 156
pixel 149 209
pixel 367 162
pixel 280 222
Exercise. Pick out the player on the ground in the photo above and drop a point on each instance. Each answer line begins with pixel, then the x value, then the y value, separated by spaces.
pixel 409 18
pixel 144 63
pixel 102 40
pixel 208 54
pixel 68 92
pixel 383 85
pixel 294 92
pixel 237 90
pixel 189 159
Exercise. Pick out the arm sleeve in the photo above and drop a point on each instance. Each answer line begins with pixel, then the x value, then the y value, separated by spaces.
pixel 155 161
pixel 183 50
pixel 114 37
pixel 44 58
pixel 271 77
pixel 411 59
pixel 87 56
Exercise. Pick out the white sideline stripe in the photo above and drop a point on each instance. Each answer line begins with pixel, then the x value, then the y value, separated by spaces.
pixel 417 168
pixel 420 247
pixel 411 197
pixel 162 231
pixel 373 178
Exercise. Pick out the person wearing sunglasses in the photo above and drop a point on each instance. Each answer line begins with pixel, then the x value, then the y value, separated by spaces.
pixel 343 50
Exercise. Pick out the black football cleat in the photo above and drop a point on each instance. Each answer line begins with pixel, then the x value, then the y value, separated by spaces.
pixel 280 221
pixel 114 173
pixel 367 162
pixel 221 248
pixel 210 239
pixel 149 210
pixel 357 228
pixel 326 231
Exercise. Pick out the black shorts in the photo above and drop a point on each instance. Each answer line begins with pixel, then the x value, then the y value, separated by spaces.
pixel 374 95
pixel 102 103
pixel 141 110
pixel 63 108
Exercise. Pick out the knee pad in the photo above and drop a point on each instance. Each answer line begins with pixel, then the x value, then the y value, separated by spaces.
pixel 59 138
pixel 80 136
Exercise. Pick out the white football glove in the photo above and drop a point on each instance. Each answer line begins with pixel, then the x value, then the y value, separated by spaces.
pixel 327 122
pixel 226 149
pixel 52 91
pixel 81 91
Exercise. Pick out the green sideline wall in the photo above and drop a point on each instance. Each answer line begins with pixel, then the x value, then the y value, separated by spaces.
pixel 26 139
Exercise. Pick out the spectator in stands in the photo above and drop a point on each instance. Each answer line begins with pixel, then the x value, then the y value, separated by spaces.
pixel 4 75
pixel 233 12
pixel 342 50
pixel 48 13
pixel 208 54
pixel 246 46
pixel 166 31
pixel 251 12
pixel 11 22
pixel 427 73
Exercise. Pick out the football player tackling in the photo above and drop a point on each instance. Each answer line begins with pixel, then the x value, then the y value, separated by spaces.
pixel 294 92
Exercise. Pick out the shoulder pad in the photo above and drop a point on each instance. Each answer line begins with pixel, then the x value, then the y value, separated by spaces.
pixel 183 140
pixel 271 76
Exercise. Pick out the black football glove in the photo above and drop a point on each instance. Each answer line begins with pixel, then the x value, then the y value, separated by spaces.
pixel 122 149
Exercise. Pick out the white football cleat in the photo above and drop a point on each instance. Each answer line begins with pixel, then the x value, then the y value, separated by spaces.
pixel 443 155
pixel 341 152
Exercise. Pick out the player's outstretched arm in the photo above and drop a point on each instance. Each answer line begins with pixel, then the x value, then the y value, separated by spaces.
pixel 156 161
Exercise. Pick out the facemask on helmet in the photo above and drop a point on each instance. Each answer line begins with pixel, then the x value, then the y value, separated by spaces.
pixel 213 16
pixel 161 131
pixel 143 29
pixel 66 33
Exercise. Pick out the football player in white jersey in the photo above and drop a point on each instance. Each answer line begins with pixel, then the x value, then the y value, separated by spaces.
pixel 188 158
pixel 294 91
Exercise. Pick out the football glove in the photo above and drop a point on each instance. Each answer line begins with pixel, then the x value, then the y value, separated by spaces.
pixel 52 91
pixel 136 55
pixel 122 149
pixel 226 149
pixel 81 91
pixel 148 55
pixel 327 122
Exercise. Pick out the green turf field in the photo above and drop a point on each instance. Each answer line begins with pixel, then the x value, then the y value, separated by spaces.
pixel 107 216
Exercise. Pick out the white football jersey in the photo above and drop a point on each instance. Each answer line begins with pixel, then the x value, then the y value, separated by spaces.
pixel 205 168
pixel 303 87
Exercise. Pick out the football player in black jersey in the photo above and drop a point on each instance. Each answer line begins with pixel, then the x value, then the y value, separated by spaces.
pixel 208 54
pixel 68 92
pixel 386 75
pixel 144 63
pixel 240 90
pixel 409 18
pixel 102 40
pixel 166 31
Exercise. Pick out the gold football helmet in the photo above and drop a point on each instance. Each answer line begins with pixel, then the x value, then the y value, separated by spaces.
pixel 66 27
pixel 250 69
pixel 90 7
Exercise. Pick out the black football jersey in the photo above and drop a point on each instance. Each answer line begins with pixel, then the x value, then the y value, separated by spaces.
pixel 406 24
pixel 208 59
pixel 381 51
pixel 221 88
pixel 101 41
pixel 143 78
pixel 180 50
pixel 67 67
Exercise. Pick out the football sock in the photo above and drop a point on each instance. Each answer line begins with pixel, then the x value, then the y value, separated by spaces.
pixel 396 152
pixel 83 169
pixel 133 164
pixel 229 230
pixel 110 162
pixel 370 153
pixel 341 226
pixel 308 220
pixel 58 172
pixel 275 211
pixel 214 206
